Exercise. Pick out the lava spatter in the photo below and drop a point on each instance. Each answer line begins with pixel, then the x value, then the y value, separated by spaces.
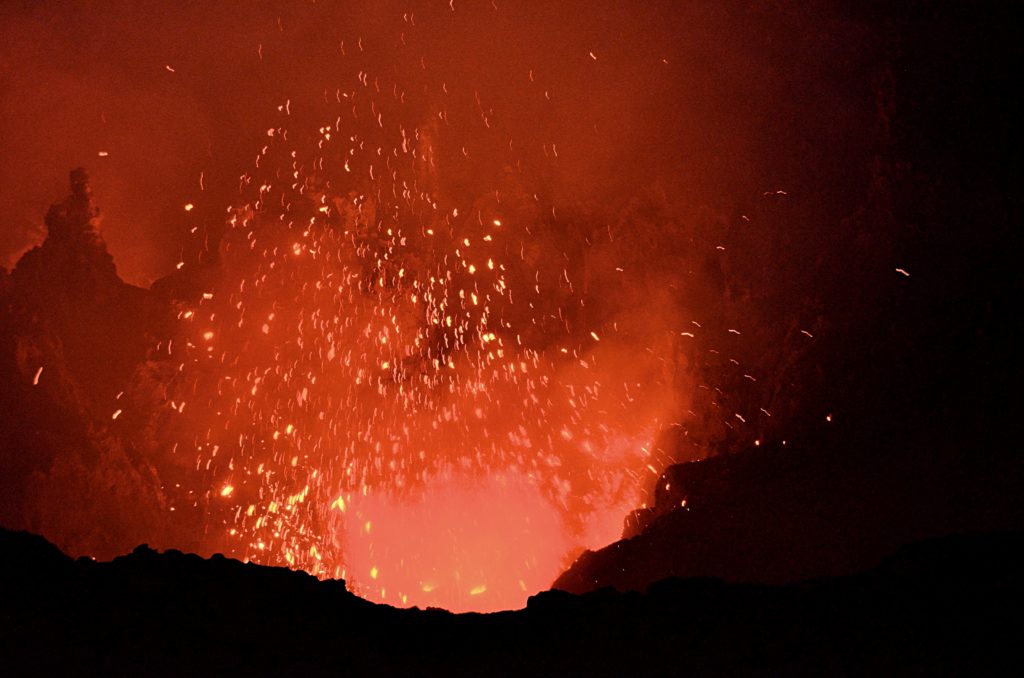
pixel 388 386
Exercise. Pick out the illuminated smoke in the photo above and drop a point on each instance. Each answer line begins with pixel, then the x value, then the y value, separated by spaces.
pixel 392 387
pixel 429 292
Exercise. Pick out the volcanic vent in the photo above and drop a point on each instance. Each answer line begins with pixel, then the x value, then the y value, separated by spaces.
pixel 384 384
pixel 439 335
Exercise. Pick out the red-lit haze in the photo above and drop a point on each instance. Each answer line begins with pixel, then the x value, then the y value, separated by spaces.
pixel 430 320
pixel 462 544
pixel 445 368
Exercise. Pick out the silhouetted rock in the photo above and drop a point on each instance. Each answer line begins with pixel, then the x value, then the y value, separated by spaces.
pixel 946 606
pixel 72 335
pixel 912 390
pixel 68 290
pixel 778 514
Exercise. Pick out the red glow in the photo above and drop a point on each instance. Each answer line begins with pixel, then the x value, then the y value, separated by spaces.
pixel 462 544
pixel 399 387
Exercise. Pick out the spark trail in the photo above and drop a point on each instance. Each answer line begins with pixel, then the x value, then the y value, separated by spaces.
pixel 389 386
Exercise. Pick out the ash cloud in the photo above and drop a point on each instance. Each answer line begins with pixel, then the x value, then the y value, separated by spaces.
pixel 699 97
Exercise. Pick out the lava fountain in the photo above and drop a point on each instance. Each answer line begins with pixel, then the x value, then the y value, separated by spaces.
pixel 405 389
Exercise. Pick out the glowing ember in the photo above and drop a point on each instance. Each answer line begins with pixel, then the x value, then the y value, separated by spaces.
pixel 401 391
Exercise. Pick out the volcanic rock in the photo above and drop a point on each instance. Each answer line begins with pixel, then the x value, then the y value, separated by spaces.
pixel 776 514
pixel 944 606
pixel 72 334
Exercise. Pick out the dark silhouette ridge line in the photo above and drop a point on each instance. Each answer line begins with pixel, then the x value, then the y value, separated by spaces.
pixel 944 605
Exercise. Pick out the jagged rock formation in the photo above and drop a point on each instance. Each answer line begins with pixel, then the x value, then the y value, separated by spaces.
pixel 72 333
pixel 923 378
pixel 777 514
pixel 67 289
pixel 946 606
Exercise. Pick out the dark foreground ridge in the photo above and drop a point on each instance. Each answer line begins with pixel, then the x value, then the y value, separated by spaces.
pixel 947 605
pixel 780 514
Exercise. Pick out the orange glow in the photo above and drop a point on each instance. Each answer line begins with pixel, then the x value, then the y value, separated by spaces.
pixel 462 544
pixel 397 391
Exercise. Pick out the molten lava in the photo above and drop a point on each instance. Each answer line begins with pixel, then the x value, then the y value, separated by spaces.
pixel 460 544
